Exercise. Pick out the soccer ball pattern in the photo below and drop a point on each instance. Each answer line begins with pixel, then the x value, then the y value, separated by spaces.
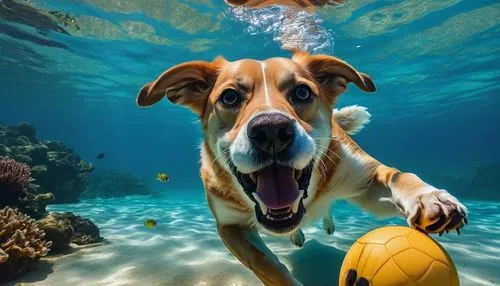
pixel 397 255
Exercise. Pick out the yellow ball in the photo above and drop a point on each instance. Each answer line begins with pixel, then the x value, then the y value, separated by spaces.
pixel 397 255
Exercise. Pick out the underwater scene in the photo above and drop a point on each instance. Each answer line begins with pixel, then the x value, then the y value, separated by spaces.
pixel 249 142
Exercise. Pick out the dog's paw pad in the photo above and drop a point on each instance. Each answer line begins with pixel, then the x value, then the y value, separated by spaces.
pixel 298 238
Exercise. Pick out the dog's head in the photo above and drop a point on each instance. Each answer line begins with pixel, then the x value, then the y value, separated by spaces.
pixel 268 122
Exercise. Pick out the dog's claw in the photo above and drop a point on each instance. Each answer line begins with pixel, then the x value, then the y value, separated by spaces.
pixel 436 212
pixel 458 231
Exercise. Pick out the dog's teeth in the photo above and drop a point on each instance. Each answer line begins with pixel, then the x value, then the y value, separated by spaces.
pixel 295 205
pixel 262 205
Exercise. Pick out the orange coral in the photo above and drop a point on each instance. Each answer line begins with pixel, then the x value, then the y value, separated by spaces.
pixel 21 243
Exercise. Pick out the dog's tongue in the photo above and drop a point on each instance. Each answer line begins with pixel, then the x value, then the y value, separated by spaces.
pixel 277 187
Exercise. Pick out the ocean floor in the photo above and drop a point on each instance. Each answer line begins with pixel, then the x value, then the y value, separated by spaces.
pixel 184 248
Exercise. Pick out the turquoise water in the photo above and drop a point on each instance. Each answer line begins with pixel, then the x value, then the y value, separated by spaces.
pixel 436 112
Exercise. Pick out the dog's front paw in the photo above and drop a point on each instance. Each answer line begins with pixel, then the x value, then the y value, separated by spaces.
pixel 298 238
pixel 435 211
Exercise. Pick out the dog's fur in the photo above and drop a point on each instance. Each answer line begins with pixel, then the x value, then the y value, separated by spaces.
pixel 351 119
pixel 342 170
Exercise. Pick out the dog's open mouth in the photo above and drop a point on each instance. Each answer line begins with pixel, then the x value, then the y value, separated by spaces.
pixel 278 192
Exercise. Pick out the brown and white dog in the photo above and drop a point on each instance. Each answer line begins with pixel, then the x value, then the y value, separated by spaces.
pixel 301 4
pixel 274 158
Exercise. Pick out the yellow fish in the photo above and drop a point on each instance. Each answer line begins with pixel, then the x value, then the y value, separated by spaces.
pixel 150 223
pixel 162 177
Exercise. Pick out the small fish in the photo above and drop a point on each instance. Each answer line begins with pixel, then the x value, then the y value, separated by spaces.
pixel 100 156
pixel 150 223
pixel 162 177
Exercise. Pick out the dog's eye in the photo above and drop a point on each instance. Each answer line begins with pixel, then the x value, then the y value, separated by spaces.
pixel 230 98
pixel 301 94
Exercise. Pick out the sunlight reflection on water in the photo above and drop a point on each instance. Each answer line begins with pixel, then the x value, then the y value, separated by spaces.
pixel 184 247
pixel 290 27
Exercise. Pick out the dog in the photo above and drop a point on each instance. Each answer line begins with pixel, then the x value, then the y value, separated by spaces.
pixel 301 4
pixel 274 158
pixel 351 119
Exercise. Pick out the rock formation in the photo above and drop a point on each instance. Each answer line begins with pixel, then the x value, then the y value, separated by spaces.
pixel 16 191
pixel 54 167
pixel 58 230
pixel 65 228
pixel 108 184
pixel 482 185
pixel 28 168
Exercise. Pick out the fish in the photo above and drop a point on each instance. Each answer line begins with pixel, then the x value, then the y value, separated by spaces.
pixel 100 156
pixel 150 223
pixel 162 177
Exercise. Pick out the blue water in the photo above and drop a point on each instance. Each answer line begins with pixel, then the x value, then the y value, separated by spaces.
pixel 436 111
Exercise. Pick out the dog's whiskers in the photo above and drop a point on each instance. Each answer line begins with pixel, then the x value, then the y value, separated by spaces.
pixel 324 168
pixel 224 152
pixel 220 168
pixel 319 169
pixel 316 139
pixel 326 153
pixel 324 148
pixel 329 138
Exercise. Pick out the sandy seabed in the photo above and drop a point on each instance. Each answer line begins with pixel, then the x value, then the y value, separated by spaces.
pixel 184 248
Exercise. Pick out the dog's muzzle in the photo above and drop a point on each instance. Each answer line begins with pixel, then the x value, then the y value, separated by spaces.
pixel 277 189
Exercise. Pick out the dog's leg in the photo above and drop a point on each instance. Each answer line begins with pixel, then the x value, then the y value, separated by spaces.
pixel 248 247
pixel 328 224
pixel 425 207
pixel 298 238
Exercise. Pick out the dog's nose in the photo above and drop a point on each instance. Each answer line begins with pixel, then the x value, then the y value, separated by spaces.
pixel 271 132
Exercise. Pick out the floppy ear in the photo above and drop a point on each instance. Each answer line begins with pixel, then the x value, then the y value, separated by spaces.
pixel 188 84
pixel 332 73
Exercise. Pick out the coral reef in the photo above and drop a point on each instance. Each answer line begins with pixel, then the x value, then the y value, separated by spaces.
pixel 28 168
pixel 63 228
pixel 85 231
pixel 58 230
pixel 54 167
pixel 107 184
pixel 14 178
pixel 16 190
pixel 22 244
